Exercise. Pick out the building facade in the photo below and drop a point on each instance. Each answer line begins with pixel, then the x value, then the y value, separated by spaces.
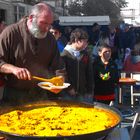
pixel 131 13
pixel 13 10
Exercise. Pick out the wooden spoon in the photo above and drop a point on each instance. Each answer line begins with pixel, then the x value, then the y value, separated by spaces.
pixel 57 81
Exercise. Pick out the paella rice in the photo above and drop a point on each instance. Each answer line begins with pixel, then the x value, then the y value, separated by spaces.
pixel 57 121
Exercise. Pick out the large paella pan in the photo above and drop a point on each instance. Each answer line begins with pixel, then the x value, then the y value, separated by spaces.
pixel 58 120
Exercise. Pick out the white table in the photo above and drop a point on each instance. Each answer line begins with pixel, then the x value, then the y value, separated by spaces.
pixel 125 83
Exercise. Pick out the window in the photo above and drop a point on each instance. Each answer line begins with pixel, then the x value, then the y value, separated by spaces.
pixel 19 12
pixel 3 14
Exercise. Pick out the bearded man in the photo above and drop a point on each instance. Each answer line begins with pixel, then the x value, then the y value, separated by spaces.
pixel 28 48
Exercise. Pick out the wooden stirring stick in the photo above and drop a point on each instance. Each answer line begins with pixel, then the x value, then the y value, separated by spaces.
pixel 41 79
pixel 58 81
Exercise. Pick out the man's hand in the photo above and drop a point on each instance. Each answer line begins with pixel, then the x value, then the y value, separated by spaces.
pixel 20 73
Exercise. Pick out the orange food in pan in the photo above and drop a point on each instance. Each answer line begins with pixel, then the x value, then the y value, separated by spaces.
pixel 58 121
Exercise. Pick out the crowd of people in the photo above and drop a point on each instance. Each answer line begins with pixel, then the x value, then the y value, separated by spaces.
pixel 91 59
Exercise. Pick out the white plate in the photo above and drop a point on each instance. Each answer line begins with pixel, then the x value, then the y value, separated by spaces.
pixel 51 86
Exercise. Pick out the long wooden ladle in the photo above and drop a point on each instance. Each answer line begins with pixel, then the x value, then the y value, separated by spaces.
pixel 57 81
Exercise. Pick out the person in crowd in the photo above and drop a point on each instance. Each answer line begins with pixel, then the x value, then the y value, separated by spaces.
pixel 132 64
pixel 78 67
pixel 127 38
pixel 106 75
pixel 61 39
pixel 27 48
pixel 127 53
pixel 67 32
pixel 103 38
pixel 95 33
pixel 113 38
pixel 132 61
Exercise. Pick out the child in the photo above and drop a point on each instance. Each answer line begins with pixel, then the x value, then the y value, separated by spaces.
pixel 78 67
pixel 60 38
pixel 106 75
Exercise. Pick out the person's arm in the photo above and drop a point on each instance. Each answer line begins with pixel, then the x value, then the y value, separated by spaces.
pixel 8 41
pixel 20 73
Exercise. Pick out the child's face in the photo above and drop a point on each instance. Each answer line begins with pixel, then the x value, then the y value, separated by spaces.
pixel 105 54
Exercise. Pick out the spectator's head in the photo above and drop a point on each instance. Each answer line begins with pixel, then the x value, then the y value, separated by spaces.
pixel 104 52
pixel 127 27
pixel 124 26
pixel 56 31
pixel 79 37
pixel 95 27
pixel 112 29
pixel 40 20
pixel 104 38
pixel 68 29
pixel 127 51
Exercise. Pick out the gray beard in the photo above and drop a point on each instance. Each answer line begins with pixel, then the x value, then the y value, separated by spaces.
pixel 35 31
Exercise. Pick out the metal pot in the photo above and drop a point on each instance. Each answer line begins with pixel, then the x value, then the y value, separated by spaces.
pixel 92 136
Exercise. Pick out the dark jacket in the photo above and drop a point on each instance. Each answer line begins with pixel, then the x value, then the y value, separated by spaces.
pixel 104 87
pixel 79 71
pixel 127 39
pixel 20 48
